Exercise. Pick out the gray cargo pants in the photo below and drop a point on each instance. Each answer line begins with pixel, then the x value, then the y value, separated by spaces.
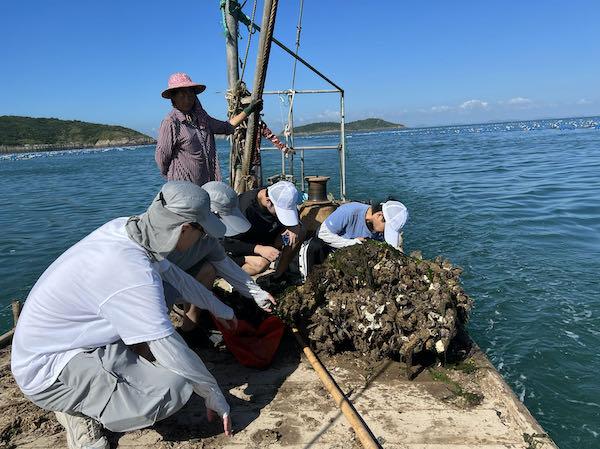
pixel 116 387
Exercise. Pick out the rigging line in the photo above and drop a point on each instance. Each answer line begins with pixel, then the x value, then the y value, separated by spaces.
pixel 298 32
pixel 281 106
pixel 290 125
pixel 291 108
pixel 251 31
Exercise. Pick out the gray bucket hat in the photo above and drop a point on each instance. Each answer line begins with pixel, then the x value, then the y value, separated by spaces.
pixel 177 203
pixel 225 204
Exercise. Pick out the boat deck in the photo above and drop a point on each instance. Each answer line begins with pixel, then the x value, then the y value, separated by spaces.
pixel 286 406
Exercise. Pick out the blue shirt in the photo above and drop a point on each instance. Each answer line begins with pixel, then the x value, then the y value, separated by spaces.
pixel 348 221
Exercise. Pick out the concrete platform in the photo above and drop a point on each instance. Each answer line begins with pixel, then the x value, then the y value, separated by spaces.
pixel 286 406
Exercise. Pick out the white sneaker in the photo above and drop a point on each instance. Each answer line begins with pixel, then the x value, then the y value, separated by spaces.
pixel 82 432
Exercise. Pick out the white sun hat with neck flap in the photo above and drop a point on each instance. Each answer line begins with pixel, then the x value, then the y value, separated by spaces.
pixel 396 215
pixel 178 203
pixel 225 204
pixel 284 196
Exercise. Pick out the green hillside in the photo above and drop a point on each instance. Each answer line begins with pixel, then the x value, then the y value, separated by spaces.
pixel 370 124
pixel 54 133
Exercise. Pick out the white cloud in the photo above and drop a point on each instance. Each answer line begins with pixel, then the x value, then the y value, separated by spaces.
pixel 519 101
pixel 474 104
pixel 328 114
pixel 442 108
pixel 584 101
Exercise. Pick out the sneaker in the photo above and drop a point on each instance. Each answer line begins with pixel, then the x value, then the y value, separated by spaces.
pixel 82 432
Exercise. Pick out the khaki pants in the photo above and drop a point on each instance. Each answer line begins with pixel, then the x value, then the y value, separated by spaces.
pixel 116 387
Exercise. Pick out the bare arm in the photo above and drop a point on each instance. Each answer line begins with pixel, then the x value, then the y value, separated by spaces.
pixel 237 119
pixel 255 106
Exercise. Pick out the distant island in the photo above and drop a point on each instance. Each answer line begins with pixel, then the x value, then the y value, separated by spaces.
pixel 23 134
pixel 369 124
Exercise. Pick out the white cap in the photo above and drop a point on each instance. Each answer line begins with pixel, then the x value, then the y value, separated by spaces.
pixel 225 204
pixel 284 196
pixel 395 214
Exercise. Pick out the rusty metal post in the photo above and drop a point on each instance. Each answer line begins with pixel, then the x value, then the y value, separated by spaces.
pixel 16 311
pixel 6 338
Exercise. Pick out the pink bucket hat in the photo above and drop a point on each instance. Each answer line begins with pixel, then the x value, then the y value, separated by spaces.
pixel 177 80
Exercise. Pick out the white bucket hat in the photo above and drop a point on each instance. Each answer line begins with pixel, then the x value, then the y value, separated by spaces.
pixel 395 214
pixel 284 196
pixel 225 204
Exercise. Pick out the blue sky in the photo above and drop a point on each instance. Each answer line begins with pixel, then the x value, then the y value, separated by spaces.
pixel 418 63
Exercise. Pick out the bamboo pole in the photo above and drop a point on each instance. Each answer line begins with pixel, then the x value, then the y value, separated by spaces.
pixel 361 429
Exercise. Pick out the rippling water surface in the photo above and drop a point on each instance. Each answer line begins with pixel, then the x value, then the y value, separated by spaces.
pixel 516 204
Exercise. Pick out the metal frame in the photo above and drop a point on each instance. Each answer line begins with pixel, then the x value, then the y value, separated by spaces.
pixel 341 147
pixel 291 94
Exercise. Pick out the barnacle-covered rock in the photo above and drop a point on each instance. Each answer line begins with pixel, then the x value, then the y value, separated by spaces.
pixel 373 299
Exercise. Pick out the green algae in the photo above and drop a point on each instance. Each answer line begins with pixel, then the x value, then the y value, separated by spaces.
pixel 471 399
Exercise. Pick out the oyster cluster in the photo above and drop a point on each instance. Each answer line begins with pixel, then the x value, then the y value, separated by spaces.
pixel 373 299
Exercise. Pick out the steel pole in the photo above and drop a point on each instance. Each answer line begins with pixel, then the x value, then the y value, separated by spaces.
pixel 342 148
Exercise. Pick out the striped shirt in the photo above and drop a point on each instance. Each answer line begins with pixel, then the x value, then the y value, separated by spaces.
pixel 186 149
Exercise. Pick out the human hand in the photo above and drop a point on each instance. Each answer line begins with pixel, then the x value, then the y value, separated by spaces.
pixel 268 252
pixel 292 235
pixel 254 106
pixel 267 305
pixel 210 417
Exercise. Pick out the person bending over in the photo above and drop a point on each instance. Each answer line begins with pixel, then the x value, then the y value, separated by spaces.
pixel 206 259
pixel 69 352
pixel 275 233
pixel 353 223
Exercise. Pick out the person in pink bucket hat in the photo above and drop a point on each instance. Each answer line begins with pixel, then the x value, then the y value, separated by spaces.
pixel 186 149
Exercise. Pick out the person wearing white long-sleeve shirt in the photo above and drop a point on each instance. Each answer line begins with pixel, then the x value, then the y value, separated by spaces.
pixel 69 352
pixel 207 259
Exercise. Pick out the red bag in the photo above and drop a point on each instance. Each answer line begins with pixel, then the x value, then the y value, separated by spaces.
pixel 251 346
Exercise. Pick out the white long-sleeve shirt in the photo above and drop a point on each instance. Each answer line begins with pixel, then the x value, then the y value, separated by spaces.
pixel 209 249
pixel 174 354
pixel 192 290
pixel 103 289
pixel 334 240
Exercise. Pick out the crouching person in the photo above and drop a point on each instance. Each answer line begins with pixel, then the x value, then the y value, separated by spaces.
pixel 69 352
pixel 206 259
pixel 275 233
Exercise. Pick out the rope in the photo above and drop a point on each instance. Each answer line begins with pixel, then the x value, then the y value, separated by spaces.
pixel 251 31
pixel 259 84
pixel 298 32
pixel 223 21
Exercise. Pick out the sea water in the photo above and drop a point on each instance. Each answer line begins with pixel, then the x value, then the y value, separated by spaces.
pixel 517 205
